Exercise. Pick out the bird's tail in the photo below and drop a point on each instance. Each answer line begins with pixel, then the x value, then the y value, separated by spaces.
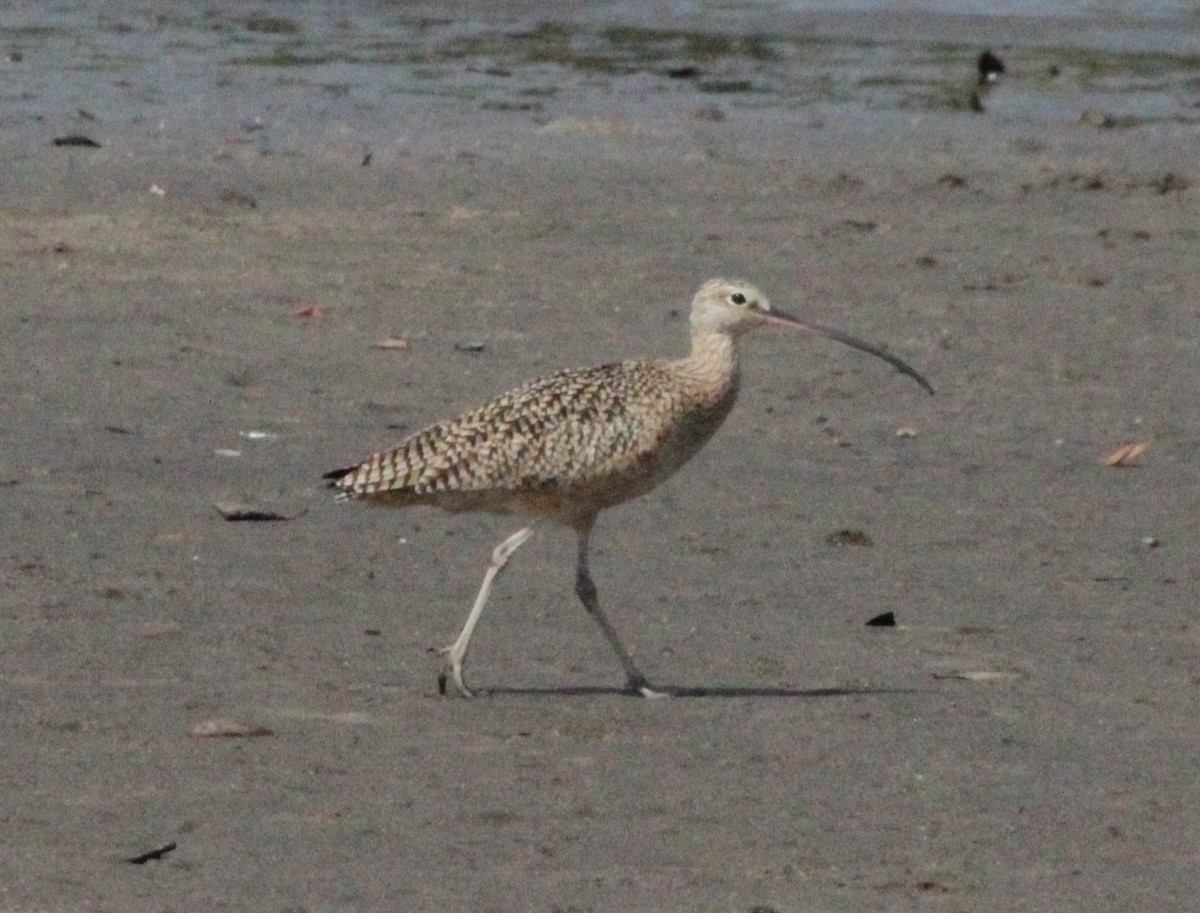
pixel 335 476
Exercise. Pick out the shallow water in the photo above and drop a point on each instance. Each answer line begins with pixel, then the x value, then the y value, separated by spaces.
pixel 375 74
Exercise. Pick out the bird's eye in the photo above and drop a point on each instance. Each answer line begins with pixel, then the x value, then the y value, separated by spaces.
pixel 738 298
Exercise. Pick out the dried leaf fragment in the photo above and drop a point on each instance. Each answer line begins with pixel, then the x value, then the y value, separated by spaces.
pixel 980 675
pixel 395 343
pixel 152 855
pixel 236 511
pixel 1124 456
pixel 218 728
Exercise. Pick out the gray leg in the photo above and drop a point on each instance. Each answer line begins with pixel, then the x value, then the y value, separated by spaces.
pixel 635 681
pixel 456 653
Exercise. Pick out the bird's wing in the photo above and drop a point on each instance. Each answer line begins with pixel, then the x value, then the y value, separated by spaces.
pixel 566 427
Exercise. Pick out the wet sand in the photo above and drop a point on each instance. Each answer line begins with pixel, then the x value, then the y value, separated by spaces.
pixel 190 323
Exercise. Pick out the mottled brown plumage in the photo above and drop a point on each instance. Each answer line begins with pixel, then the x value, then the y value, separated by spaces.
pixel 560 446
pixel 565 447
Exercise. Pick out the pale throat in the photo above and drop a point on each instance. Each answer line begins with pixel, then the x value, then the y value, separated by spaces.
pixel 713 358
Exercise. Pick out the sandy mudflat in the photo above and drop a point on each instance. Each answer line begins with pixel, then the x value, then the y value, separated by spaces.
pixel 1026 739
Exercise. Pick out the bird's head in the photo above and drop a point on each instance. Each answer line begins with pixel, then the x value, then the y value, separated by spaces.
pixel 733 307
pixel 729 306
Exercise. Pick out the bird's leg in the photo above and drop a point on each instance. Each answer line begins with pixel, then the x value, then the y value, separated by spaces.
pixel 635 681
pixel 456 653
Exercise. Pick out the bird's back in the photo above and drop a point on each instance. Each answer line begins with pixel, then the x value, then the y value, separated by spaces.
pixel 563 446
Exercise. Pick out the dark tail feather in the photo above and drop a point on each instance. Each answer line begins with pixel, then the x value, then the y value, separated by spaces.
pixel 337 474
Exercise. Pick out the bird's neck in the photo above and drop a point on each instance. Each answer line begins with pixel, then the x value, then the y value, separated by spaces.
pixel 713 360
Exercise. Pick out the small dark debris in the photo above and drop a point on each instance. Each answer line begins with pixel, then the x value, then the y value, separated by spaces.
pixel 727 86
pixel 473 347
pixel 238 198
pixel 85 114
pixel 992 284
pixel 849 537
pixel 951 180
pixel 76 139
pixel 861 224
pixel 235 512
pixel 118 429
pixel 683 72
pixel 1169 183
pixel 511 106
pixel 374 405
pixel 372 632
pixel 366 159
pixel 269 25
pixel 61 726
pixel 1106 121
pixel 845 180
pixel 152 855
pixel 241 378
pixel 490 71
pixel 882 620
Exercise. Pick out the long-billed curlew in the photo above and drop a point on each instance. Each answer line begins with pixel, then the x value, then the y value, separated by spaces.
pixel 565 447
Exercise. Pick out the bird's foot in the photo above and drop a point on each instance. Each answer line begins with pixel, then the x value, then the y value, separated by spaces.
pixel 637 684
pixel 452 671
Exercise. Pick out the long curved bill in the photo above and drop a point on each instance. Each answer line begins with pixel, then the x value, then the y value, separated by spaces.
pixel 778 318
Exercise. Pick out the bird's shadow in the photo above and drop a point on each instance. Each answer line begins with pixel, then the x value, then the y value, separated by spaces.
pixel 689 691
